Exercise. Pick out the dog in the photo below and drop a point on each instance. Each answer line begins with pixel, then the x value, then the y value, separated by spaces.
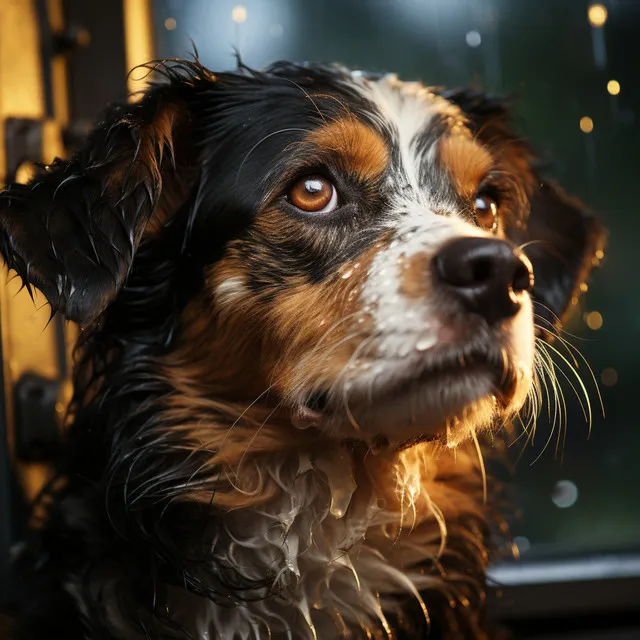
pixel 308 298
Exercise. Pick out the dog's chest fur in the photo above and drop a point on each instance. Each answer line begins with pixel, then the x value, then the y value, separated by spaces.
pixel 322 574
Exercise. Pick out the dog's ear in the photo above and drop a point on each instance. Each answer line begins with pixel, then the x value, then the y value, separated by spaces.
pixel 564 241
pixel 561 237
pixel 73 230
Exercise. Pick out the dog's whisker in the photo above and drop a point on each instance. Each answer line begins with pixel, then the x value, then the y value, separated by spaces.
pixel 578 378
pixel 576 353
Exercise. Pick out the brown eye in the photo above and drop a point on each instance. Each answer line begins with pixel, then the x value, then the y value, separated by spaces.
pixel 314 194
pixel 486 209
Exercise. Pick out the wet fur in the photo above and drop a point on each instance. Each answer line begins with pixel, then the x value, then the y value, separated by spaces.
pixel 178 508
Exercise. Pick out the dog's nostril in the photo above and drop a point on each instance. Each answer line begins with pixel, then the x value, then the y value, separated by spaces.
pixel 482 271
pixel 522 278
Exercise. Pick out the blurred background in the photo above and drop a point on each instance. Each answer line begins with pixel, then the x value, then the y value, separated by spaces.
pixel 572 67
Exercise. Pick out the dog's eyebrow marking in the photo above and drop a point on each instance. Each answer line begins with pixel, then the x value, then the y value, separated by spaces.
pixel 466 161
pixel 361 150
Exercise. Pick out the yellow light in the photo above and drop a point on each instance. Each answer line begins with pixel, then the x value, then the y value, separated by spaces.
pixel 25 172
pixel 593 320
pixel 613 87
pixel 170 24
pixel 609 377
pixel 586 124
pixel 584 287
pixel 599 254
pixel 239 14
pixel 597 15
pixel 138 35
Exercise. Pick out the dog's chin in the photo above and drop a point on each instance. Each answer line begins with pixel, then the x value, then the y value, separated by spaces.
pixel 416 403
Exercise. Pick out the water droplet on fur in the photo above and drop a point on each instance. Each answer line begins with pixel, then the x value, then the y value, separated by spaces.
pixel 352 295
pixel 347 273
pixel 360 320
pixel 322 323
pixel 425 343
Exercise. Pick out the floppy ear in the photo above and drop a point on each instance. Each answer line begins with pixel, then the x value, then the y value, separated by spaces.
pixel 564 241
pixel 73 230
pixel 561 237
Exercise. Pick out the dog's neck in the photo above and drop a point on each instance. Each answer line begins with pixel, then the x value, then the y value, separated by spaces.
pixel 338 535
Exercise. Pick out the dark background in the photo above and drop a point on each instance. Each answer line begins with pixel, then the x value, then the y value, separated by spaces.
pixel 547 54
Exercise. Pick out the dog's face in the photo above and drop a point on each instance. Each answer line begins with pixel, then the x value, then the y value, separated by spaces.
pixel 357 239
pixel 389 303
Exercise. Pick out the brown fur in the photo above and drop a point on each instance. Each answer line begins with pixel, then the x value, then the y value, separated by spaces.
pixel 361 150
pixel 466 161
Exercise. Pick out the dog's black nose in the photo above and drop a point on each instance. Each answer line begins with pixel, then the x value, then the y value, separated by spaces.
pixel 486 274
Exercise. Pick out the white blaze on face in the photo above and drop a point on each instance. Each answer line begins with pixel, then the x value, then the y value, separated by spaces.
pixel 405 323
pixel 408 108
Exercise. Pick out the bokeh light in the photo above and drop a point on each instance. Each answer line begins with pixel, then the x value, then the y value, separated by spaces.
pixel 609 377
pixel 586 124
pixel 565 494
pixel 239 14
pixel 593 320
pixel 473 39
pixel 597 15
pixel 613 87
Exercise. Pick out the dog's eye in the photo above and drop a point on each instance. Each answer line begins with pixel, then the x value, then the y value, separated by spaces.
pixel 314 194
pixel 486 210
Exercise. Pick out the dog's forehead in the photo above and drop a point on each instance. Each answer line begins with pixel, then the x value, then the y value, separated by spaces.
pixel 428 137
pixel 411 114
pixel 410 106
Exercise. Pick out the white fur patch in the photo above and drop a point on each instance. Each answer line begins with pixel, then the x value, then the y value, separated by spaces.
pixel 230 289
pixel 408 107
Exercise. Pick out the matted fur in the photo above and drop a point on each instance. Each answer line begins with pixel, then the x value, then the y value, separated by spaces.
pixel 279 418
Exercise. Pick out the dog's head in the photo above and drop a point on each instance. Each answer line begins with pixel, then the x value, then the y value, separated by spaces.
pixel 369 251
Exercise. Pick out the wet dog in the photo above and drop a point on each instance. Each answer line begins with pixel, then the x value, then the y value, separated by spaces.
pixel 308 294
